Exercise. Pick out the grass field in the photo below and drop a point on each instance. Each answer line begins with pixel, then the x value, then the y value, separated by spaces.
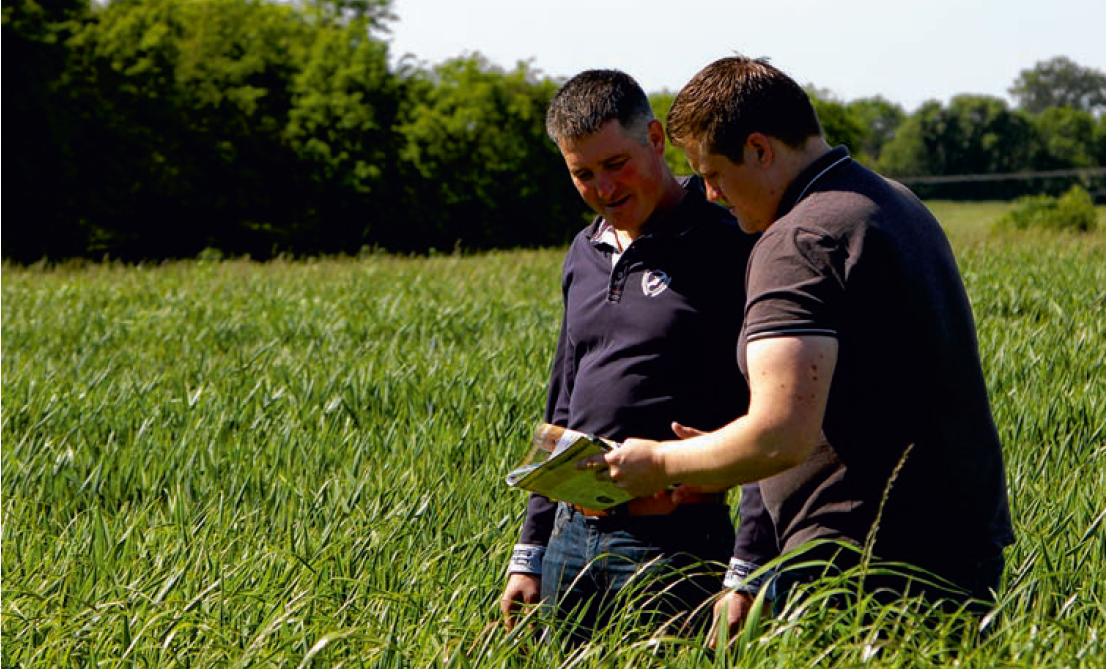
pixel 212 464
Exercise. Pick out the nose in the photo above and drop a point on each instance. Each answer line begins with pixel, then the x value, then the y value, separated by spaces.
pixel 604 185
pixel 713 194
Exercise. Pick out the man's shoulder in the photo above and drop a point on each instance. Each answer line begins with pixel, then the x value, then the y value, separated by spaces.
pixel 854 203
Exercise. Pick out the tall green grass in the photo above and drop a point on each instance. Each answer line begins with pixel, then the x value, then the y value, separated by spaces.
pixel 300 464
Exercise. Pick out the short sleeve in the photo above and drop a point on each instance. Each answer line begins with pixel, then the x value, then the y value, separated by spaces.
pixel 796 284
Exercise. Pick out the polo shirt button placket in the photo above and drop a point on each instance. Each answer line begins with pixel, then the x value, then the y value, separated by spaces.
pixel 618 283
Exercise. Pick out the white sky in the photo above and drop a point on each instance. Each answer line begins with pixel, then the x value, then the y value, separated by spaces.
pixel 906 52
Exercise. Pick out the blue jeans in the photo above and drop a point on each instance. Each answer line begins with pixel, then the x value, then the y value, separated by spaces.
pixel 653 567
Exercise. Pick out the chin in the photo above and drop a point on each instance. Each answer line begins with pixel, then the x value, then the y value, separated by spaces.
pixel 622 222
pixel 752 226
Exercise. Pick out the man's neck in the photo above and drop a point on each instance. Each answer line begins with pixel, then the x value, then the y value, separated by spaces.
pixel 813 149
pixel 673 194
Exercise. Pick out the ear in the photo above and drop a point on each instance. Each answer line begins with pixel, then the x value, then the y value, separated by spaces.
pixel 760 150
pixel 656 135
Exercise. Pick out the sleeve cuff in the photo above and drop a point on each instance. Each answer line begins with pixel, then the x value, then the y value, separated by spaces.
pixel 745 576
pixel 526 559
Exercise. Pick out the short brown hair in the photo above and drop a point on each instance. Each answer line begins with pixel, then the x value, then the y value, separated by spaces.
pixel 733 97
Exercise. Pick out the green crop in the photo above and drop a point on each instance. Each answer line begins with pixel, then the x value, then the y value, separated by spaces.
pixel 213 464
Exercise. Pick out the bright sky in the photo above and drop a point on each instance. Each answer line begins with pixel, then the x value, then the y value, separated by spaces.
pixel 908 52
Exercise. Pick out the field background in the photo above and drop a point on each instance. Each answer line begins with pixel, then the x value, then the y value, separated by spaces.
pixel 212 464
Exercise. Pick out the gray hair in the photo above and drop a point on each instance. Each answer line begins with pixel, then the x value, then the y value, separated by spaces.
pixel 594 97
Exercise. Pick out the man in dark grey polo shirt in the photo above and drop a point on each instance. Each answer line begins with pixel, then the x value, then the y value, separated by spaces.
pixel 869 421
pixel 653 290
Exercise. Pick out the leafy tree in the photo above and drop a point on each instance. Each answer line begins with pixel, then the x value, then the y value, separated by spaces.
pixel 673 155
pixel 234 90
pixel 1060 82
pixel 878 120
pixel 1065 139
pixel 905 154
pixel 194 108
pixel 974 135
pixel 839 123
pixel 157 128
pixel 1098 144
pixel 373 16
pixel 346 105
pixel 173 129
pixel 127 154
pixel 986 136
pixel 481 171
pixel 43 217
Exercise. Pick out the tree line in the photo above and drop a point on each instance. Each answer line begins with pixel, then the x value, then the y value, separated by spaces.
pixel 155 129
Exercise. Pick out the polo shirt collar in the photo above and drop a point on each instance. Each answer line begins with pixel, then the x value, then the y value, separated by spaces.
pixel 604 235
pixel 802 184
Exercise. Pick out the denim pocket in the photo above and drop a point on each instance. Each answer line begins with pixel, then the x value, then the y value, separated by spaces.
pixel 564 515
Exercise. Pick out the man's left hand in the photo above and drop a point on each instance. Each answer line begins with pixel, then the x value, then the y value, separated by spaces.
pixel 730 612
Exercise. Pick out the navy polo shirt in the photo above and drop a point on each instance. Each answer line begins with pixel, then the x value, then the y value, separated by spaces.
pixel 651 338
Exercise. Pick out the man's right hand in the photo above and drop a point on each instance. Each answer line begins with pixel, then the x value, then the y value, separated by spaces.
pixel 522 589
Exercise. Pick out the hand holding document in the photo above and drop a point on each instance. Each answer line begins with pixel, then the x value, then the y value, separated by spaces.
pixel 550 469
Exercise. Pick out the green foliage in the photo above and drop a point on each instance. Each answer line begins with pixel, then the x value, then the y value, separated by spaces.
pixel 1060 82
pixel 371 15
pixel 974 135
pixel 878 121
pixel 1066 139
pixel 215 464
pixel 155 129
pixel 1098 145
pixel 175 120
pixel 840 125
pixel 345 103
pixel 1073 211
pixel 483 172
pixel 345 106
pixel 673 155
pixel 185 132
pixel 36 37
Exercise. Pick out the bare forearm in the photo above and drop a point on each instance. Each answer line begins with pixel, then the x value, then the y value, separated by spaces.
pixel 789 381
pixel 733 455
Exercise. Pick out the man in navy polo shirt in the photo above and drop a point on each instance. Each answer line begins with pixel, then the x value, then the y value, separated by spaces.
pixel 653 291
